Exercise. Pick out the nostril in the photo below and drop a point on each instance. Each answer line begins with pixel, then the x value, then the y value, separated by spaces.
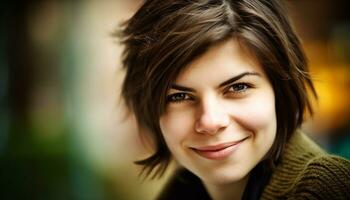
pixel 211 115
pixel 211 124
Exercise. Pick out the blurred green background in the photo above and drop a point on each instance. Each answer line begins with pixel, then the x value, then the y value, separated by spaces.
pixel 62 129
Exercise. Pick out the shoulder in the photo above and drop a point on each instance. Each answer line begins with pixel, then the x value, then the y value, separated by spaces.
pixel 305 171
pixel 324 177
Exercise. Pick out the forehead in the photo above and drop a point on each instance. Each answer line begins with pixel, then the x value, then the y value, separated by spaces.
pixel 221 61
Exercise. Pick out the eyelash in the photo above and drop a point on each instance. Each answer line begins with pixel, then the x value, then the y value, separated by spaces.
pixel 182 96
pixel 173 98
pixel 238 90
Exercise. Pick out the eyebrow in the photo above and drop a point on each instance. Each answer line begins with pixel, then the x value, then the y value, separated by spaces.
pixel 235 78
pixel 227 82
pixel 181 88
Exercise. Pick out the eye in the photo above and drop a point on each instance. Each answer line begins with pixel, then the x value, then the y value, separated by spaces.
pixel 178 97
pixel 238 88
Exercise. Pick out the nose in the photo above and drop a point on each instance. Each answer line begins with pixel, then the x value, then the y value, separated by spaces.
pixel 212 117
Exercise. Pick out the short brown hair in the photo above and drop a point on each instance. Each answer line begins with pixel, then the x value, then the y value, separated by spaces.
pixel 166 35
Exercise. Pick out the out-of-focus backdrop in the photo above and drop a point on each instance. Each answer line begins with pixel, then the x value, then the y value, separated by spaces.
pixel 62 129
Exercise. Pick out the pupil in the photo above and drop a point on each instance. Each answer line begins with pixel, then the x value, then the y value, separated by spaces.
pixel 179 96
pixel 240 87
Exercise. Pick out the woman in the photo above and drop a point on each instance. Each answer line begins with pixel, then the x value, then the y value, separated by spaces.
pixel 221 88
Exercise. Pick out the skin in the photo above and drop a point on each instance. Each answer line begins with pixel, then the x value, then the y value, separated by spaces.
pixel 204 110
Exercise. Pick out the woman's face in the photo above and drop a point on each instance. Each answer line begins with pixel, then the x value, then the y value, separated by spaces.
pixel 220 118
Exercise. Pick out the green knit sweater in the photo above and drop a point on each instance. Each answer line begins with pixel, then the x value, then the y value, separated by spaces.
pixel 307 172
pixel 304 172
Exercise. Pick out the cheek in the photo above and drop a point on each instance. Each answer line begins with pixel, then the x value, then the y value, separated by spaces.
pixel 264 113
pixel 259 113
pixel 176 126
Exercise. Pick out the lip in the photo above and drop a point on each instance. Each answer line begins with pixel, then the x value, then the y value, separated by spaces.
pixel 218 152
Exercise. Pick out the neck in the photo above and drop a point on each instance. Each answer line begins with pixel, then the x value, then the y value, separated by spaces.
pixel 227 191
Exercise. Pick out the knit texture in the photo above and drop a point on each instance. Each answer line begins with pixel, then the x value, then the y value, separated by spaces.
pixel 305 171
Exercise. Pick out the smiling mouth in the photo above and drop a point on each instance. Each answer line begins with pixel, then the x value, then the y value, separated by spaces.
pixel 218 152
